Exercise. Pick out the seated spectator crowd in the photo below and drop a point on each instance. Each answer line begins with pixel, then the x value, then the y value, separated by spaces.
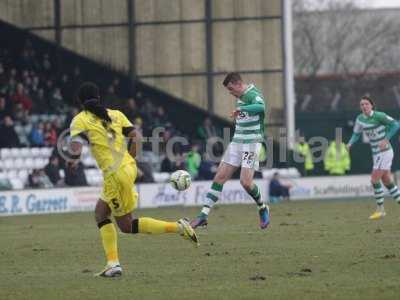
pixel 37 104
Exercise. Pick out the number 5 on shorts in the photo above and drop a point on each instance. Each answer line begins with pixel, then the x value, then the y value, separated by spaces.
pixel 115 203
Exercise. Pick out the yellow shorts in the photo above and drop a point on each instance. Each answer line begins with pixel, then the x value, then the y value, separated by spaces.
pixel 119 191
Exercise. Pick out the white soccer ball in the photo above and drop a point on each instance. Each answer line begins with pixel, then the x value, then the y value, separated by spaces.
pixel 180 180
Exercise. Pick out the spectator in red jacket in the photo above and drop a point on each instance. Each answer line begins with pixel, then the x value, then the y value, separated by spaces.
pixel 21 97
pixel 50 134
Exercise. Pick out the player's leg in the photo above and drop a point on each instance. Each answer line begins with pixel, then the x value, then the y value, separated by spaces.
pixel 127 202
pixel 109 239
pixel 381 172
pixel 247 182
pixel 387 179
pixel 229 164
pixel 250 163
pixel 391 186
pixel 128 224
pixel 224 173
pixel 376 176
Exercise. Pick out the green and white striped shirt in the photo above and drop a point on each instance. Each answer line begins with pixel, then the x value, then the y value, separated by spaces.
pixel 249 126
pixel 376 127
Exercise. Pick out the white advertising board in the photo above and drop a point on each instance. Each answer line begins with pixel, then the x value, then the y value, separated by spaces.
pixel 310 188
pixel 48 201
pixel 59 200
pixel 157 195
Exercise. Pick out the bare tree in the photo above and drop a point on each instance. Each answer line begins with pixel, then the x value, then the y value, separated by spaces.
pixel 338 37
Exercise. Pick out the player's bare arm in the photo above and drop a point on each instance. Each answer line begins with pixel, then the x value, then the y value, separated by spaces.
pixel 136 138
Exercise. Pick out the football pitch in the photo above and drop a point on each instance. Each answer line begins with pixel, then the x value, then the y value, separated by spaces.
pixel 312 250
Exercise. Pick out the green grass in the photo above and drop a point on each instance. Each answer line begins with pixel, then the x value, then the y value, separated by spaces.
pixel 313 250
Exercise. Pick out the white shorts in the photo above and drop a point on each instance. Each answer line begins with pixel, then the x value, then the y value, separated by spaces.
pixel 244 155
pixel 383 160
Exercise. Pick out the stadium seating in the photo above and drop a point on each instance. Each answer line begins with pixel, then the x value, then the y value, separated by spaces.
pixel 17 163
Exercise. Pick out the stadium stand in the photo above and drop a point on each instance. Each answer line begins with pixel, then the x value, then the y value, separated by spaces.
pixel 37 84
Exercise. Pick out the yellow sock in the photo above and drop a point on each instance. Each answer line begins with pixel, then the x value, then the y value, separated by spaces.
pixel 149 225
pixel 109 238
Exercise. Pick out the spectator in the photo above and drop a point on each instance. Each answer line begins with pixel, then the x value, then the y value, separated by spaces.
pixel 116 85
pixel 13 73
pixel 10 87
pixel 33 179
pixel 110 98
pixel 75 175
pixel 303 149
pixel 206 130
pixel 56 101
pixel 207 169
pixel 131 110
pixel 167 165
pixel 4 107
pixel 193 161
pixel 36 136
pixel 20 97
pixel 24 77
pixel 76 78
pixel 337 158
pixel 27 82
pixel 67 88
pixel 277 190
pixel 71 114
pixel 8 136
pixel 171 164
pixel 165 137
pixel 160 119
pixel 26 61
pixel 41 103
pixel 145 172
pixel 48 89
pixel 3 77
pixel 147 110
pixel 35 82
pixel 38 179
pixel 52 170
pixel 58 126
pixel 50 135
pixel 46 65
pixel 20 114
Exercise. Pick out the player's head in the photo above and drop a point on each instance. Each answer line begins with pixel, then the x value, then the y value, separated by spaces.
pixel 88 91
pixel 234 84
pixel 367 105
pixel 89 98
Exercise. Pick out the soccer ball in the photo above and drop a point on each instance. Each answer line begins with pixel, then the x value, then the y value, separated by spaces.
pixel 180 180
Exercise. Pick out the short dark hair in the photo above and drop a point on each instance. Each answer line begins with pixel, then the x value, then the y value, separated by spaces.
pixel 88 90
pixel 366 97
pixel 231 77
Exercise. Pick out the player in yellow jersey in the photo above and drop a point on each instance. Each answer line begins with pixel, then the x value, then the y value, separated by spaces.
pixel 106 130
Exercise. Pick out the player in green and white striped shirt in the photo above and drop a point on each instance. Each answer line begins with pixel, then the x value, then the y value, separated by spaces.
pixel 379 128
pixel 244 149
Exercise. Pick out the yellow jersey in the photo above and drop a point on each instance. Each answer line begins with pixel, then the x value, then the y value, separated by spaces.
pixel 107 142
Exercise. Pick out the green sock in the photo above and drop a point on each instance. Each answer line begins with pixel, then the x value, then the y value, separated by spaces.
pixel 378 191
pixel 256 194
pixel 394 191
pixel 211 198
